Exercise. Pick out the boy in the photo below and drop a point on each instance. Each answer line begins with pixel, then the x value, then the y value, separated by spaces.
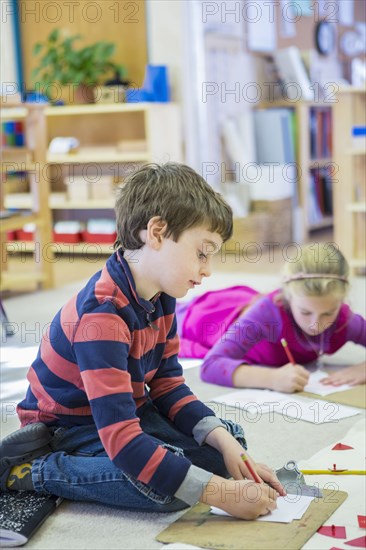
pixel 92 429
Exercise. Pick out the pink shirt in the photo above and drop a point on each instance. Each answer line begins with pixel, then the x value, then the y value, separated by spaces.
pixel 227 340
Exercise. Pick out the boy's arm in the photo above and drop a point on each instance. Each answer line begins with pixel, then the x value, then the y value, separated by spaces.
pixel 176 401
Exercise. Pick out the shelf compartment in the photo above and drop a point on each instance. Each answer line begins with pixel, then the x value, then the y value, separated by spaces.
pixel 91 249
pixel 98 155
pixel 58 201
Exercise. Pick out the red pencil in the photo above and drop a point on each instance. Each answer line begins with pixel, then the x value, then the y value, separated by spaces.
pixel 288 352
pixel 253 473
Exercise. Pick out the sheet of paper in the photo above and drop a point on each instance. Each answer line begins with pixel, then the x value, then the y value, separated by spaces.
pixel 287 509
pixel 315 386
pixel 287 19
pixel 190 363
pixel 315 411
pixel 244 399
pixel 261 26
pixel 345 12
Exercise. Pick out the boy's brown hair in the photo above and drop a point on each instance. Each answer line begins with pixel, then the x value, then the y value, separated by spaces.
pixel 176 193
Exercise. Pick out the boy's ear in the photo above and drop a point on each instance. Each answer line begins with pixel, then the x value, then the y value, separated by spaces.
pixel 156 229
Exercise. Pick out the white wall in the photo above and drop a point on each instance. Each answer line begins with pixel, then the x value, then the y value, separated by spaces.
pixel 165 40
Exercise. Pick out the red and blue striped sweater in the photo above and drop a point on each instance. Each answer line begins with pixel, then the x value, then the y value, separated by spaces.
pixel 106 352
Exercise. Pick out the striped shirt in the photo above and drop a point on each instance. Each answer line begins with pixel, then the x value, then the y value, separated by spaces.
pixel 106 352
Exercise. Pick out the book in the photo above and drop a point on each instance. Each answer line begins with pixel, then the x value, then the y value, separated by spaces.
pixel 293 74
pixel 274 136
pixel 22 513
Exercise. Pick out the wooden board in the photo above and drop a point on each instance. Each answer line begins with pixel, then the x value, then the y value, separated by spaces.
pixel 201 528
pixel 355 397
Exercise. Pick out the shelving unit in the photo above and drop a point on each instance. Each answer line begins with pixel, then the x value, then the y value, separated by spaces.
pixel 114 139
pixel 313 157
pixel 30 159
pixel 350 185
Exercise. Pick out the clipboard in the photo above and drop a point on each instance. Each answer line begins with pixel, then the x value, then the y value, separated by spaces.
pixel 201 528
pixel 354 397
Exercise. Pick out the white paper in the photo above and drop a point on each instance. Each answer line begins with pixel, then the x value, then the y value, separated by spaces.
pixel 315 386
pixel 315 411
pixel 190 363
pixel 345 12
pixel 19 357
pixel 288 18
pixel 261 26
pixel 287 509
pixel 248 398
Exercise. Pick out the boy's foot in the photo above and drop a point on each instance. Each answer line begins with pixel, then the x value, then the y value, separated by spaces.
pixel 19 449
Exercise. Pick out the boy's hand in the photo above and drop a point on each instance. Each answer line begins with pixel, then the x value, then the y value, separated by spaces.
pixel 351 375
pixel 289 378
pixel 231 451
pixel 242 499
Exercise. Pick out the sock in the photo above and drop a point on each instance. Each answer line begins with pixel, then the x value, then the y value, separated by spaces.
pixel 20 478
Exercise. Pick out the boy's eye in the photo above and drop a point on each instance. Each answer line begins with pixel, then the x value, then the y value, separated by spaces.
pixel 305 313
pixel 201 255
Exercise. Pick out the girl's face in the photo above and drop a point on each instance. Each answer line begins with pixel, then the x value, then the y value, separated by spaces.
pixel 314 314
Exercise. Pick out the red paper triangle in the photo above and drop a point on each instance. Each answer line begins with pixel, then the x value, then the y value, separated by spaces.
pixel 360 542
pixel 335 531
pixel 362 521
pixel 335 548
pixel 341 447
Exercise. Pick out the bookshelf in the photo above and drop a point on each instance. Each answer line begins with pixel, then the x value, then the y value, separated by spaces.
pixel 350 182
pixel 30 159
pixel 114 140
pixel 313 139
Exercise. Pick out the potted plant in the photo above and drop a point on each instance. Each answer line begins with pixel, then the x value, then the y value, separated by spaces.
pixel 80 69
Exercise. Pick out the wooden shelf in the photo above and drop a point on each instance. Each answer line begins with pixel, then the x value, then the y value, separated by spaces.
pixel 34 127
pixel 358 263
pixel 58 201
pixel 91 249
pixel 19 280
pixel 357 207
pixel 322 224
pixel 349 213
pixel 102 154
pixel 97 108
pixel 17 221
pixel 356 152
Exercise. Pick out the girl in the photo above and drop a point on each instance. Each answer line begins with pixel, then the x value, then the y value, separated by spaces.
pixel 236 329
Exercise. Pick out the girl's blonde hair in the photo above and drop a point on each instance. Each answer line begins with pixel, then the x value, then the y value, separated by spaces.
pixel 318 271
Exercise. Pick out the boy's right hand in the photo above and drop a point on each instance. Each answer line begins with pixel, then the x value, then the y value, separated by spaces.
pixel 242 499
pixel 289 378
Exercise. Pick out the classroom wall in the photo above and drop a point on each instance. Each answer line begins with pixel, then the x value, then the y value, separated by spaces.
pixel 122 22
pixel 165 25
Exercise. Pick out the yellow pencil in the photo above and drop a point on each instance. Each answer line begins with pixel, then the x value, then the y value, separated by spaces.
pixel 331 472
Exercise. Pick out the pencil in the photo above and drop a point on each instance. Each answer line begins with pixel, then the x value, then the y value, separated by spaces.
pixel 332 472
pixel 253 473
pixel 290 357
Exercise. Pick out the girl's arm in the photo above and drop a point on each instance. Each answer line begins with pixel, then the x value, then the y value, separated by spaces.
pixel 224 364
pixel 356 374
pixel 289 378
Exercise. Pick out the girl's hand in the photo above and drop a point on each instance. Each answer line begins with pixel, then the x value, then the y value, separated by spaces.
pixel 289 378
pixel 351 375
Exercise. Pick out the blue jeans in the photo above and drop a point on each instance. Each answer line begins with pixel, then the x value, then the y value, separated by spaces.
pixel 79 468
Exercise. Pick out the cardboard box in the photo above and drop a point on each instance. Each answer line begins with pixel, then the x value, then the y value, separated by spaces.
pixel 77 188
pixel 279 218
pixel 102 188
pixel 251 229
